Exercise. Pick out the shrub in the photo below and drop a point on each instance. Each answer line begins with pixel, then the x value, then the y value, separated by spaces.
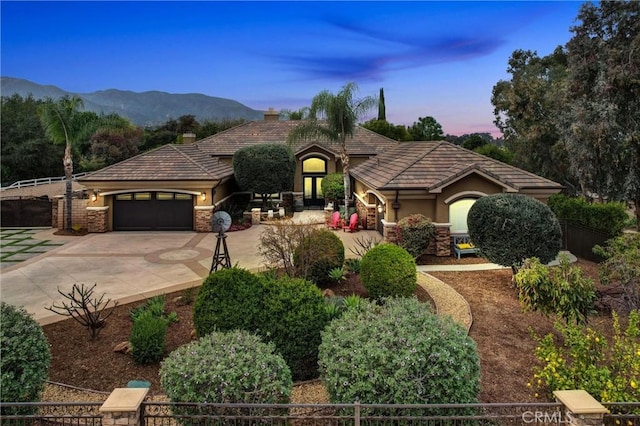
pixel 352 265
pixel 228 299
pixel 293 315
pixel 398 353
pixel 148 337
pixel 333 187
pixel 24 358
pixel 584 359
pixel 317 255
pixel 509 228
pixel 155 307
pixel 388 270
pixel 233 367
pixel 287 311
pixel 414 233
pixel 559 290
pixel 622 267
pixel 610 217
pixel 279 240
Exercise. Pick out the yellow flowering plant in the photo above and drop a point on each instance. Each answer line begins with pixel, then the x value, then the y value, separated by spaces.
pixel 584 359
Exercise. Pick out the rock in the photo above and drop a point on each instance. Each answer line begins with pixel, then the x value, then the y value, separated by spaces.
pixel 123 348
pixel 328 293
pixel 193 335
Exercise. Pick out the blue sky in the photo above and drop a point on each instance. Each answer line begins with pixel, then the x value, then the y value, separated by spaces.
pixel 437 59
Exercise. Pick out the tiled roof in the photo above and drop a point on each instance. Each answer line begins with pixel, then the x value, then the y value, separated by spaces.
pixel 169 162
pixel 226 143
pixel 433 165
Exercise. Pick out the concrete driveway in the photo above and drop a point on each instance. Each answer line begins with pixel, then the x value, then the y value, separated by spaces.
pixel 127 266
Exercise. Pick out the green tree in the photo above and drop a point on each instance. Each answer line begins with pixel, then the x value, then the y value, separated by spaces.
pixel 109 146
pixel 26 151
pixel 426 129
pixel 526 110
pixel 297 115
pixel 382 109
pixel 339 114
pixel 474 141
pixel 265 169
pixel 601 117
pixel 390 130
pixel 65 123
pixel 509 228
pixel 333 187
pixel 495 152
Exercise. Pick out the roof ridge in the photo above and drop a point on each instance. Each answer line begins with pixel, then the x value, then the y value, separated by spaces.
pixel 425 153
pixel 191 159
pixel 126 160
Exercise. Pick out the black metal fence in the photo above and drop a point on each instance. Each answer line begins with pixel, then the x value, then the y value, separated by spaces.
pixel 580 240
pixel 25 212
pixel 50 414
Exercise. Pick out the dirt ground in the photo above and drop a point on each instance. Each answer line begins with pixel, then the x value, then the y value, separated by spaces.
pixel 500 328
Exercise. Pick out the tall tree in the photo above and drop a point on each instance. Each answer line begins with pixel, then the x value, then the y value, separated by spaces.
pixel 334 118
pixel 65 123
pixel 382 109
pixel 390 130
pixel 526 110
pixel 426 129
pixel 602 115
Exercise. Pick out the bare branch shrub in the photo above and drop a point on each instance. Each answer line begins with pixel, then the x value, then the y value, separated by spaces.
pixel 279 240
pixel 363 245
pixel 83 307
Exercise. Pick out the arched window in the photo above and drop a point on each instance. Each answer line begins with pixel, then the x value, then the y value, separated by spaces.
pixel 314 165
pixel 458 212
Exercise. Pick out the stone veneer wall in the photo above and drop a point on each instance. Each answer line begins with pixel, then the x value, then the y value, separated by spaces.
pixel 97 219
pixel 78 213
pixel 203 218
pixel 367 215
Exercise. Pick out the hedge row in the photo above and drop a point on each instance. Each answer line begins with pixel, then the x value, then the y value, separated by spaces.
pixel 608 217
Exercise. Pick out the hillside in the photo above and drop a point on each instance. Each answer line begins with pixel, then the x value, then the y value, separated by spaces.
pixel 145 108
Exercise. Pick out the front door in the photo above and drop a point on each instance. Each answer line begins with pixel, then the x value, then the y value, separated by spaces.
pixel 314 169
pixel 313 191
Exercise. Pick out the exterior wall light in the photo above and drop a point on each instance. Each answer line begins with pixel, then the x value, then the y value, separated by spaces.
pixel 94 195
pixel 379 208
pixel 203 196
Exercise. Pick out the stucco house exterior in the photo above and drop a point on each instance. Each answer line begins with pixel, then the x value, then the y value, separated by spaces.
pixel 176 187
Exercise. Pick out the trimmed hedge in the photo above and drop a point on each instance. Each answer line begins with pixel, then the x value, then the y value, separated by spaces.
pixel 148 338
pixel 24 358
pixel 398 353
pixel 509 228
pixel 610 217
pixel 234 367
pixel 388 270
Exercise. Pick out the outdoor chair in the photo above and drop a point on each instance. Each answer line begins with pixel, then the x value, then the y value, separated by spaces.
pixel 352 226
pixel 335 222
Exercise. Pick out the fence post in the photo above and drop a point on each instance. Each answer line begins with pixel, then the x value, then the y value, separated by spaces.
pixel 580 408
pixel 356 413
pixel 122 407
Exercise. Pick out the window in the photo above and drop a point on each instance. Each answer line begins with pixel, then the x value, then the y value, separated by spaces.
pixel 124 197
pixel 458 212
pixel 314 165
pixel 142 195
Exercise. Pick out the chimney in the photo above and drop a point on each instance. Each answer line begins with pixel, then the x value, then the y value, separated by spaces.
pixel 271 115
pixel 188 138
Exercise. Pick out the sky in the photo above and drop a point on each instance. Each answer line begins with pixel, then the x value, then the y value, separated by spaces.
pixel 438 59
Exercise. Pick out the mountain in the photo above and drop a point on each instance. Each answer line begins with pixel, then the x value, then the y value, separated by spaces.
pixel 145 108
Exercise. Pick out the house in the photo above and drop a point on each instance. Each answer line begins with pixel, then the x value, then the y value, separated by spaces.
pixel 439 180
pixel 176 187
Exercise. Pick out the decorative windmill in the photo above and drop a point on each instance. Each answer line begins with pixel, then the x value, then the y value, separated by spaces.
pixel 220 222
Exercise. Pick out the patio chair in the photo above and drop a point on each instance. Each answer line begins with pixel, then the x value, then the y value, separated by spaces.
pixel 335 222
pixel 352 226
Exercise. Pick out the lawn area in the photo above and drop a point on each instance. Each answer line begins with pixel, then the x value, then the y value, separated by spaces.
pixel 18 245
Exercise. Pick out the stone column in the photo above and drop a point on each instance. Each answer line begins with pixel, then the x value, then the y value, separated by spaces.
pixel 203 218
pixel 389 232
pixel 97 219
pixel 255 216
pixel 580 408
pixel 122 407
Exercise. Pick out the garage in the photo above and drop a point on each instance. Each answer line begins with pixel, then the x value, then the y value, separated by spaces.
pixel 153 211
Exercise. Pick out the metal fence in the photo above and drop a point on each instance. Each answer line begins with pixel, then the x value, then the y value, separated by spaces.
pixel 622 413
pixel 26 212
pixel 50 414
pixel 580 240
pixel 166 414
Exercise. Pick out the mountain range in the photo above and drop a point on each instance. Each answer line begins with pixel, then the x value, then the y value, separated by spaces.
pixel 145 108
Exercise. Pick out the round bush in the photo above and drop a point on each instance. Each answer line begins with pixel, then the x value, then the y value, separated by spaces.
pixel 509 228
pixel 333 187
pixel 233 367
pixel 228 299
pixel 414 232
pixel 398 353
pixel 317 255
pixel 388 270
pixel 293 317
pixel 24 358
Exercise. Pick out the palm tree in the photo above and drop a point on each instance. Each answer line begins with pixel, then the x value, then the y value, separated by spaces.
pixel 64 123
pixel 334 118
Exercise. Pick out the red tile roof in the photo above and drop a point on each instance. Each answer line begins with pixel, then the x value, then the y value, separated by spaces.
pixel 433 165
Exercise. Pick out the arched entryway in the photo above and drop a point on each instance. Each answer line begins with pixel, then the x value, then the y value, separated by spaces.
pixel 314 169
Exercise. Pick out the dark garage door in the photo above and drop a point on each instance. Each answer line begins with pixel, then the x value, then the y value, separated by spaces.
pixel 153 211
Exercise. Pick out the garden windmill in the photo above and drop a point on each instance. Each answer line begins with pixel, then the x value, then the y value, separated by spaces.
pixel 220 222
